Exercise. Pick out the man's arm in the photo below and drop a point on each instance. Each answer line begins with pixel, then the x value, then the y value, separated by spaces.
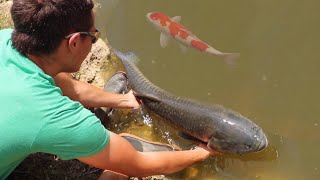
pixel 120 156
pixel 91 96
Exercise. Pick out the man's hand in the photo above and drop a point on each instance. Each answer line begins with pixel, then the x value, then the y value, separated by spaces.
pixel 204 147
pixel 133 102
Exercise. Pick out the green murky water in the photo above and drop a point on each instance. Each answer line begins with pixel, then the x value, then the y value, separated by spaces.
pixel 276 81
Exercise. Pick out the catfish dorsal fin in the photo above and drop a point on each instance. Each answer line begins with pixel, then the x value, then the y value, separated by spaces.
pixel 129 56
pixel 176 18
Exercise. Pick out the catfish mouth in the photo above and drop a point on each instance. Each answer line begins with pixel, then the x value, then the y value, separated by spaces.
pixel 261 141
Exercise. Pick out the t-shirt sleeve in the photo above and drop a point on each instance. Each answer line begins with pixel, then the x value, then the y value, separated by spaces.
pixel 69 130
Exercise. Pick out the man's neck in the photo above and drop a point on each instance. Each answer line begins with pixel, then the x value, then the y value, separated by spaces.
pixel 47 64
pixel 50 64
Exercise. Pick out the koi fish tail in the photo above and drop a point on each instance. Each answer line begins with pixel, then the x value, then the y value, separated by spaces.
pixel 230 58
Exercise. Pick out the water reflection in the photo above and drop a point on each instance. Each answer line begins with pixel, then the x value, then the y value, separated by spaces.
pixel 275 82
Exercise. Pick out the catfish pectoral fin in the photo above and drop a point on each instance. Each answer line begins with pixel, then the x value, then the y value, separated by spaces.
pixel 188 137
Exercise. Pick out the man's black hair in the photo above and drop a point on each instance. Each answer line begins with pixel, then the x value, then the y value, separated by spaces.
pixel 40 25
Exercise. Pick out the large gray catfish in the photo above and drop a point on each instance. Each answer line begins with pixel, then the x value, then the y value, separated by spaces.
pixel 222 129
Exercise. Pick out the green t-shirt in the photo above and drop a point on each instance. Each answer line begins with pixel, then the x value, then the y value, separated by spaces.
pixel 36 117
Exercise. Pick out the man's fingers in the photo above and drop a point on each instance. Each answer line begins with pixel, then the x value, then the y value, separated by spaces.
pixel 212 151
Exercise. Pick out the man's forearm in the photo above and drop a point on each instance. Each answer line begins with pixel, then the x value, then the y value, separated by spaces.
pixel 170 162
pixel 120 156
pixel 91 96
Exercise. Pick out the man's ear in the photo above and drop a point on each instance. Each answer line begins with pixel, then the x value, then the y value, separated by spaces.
pixel 74 42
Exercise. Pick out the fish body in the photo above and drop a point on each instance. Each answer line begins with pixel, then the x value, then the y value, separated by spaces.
pixel 116 84
pixel 222 129
pixel 170 27
pixel 143 145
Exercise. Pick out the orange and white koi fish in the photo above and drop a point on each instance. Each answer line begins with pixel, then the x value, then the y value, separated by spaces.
pixel 170 27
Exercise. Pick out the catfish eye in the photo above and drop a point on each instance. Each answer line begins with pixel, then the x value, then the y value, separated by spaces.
pixel 248 146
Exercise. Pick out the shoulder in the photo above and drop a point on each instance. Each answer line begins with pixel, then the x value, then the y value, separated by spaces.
pixel 5 33
pixel 69 130
pixel 5 42
pixel 5 36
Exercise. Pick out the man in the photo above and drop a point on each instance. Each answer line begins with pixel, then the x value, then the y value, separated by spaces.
pixel 40 109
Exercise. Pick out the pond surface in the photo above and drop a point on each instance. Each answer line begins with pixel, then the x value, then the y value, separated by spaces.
pixel 275 82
